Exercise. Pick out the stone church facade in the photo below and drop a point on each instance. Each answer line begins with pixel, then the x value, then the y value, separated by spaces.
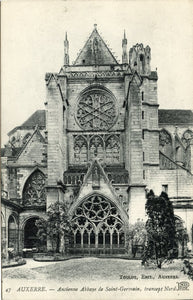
pixel 98 145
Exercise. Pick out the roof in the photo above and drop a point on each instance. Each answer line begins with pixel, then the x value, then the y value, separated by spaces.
pixel 11 151
pixel 37 118
pixel 95 52
pixel 175 116
pixel 165 116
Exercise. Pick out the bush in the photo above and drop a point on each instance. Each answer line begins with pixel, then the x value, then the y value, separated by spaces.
pixel 188 268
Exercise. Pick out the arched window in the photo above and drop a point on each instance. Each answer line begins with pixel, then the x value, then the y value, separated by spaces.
pixel 12 233
pixel 34 190
pixel 80 150
pixel 96 147
pixel 187 137
pixel 165 143
pixel 78 237
pixel 142 61
pixel 112 150
pixel 100 238
pixel 85 238
pixel 100 224
pixel 26 138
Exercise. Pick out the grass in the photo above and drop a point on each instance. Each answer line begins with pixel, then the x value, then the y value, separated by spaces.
pixel 93 269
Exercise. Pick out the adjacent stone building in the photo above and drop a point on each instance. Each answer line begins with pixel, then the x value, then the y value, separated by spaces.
pixel 98 145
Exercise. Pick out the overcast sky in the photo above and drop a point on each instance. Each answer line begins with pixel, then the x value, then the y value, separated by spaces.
pixel 32 44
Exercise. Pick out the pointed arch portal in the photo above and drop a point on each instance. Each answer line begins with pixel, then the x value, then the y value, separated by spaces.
pixel 97 228
pixel 30 233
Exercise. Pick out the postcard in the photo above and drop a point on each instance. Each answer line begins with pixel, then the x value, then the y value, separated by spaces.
pixel 96 152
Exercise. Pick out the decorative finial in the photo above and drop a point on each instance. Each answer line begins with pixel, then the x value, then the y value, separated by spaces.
pixel 124 34
pixel 66 36
pixel 95 26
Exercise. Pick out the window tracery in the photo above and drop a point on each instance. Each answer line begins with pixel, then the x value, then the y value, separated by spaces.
pixel 89 147
pixel 98 224
pixel 34 190
pixel 96 147
pixel 165 143
pixel 112 146
pixel 96 110
pixel 80 149
pixel 187 137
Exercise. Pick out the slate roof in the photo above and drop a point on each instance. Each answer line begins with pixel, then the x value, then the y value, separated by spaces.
pixel 95 52
pixel 14 152
pixel 37 118
pixel 175 116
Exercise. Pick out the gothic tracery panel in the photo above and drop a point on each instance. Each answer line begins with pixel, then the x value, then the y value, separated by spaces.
pixel 96 147
pixel 165 143
pixel 112 149
pixel 187 137
pixel 34 190
pixel 98 223
pixel 80 149
pixel 96 110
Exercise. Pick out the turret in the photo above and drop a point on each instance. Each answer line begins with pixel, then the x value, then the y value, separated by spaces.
pixel 124 48
pixel 140 58
pixel 66 51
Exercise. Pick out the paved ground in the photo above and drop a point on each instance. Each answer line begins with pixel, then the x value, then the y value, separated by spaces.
pixel 30 263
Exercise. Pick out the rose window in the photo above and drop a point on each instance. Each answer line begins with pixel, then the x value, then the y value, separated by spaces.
pixel 96 110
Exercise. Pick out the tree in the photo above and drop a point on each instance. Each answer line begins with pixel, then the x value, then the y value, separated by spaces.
pixel 160 228
pixel 56 227
pixel 136 236
pixel 41 233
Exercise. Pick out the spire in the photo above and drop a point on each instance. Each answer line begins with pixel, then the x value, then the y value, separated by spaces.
pixel 66 49
pixel 124 48
pixel 124 35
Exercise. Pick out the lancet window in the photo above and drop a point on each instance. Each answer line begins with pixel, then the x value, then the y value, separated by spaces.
pixel 112 149
pixel 80 149
pixel 103 147
pixel 96 147
pixel 165 143
pixel 187 137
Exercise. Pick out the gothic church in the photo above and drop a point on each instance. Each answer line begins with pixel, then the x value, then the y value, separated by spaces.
pixel 98 145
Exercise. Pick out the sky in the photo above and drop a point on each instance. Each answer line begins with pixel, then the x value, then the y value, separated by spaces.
pixel 32 44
